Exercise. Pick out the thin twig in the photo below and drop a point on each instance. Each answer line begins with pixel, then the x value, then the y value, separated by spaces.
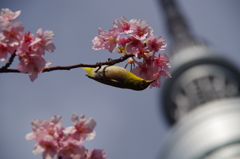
pixel 110 62
pixel 10 60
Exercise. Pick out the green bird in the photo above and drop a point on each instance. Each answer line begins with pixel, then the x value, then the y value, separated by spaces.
pixel 118 77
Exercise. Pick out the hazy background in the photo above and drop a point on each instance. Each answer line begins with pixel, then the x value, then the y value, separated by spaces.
pixel 129 123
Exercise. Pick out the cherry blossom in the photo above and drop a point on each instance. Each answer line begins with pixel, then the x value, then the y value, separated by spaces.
pixel 141 29
pixel 153 68
pixel 12 32
pixel 51 140
pixel 8 15
pixel 97 154
pixel 156 43
pixel 106 39
pixel 51 126
pixel 147 72
pixel 32 64
pixel 139 41
pixel 43 42
pixel 123 25
pixel 144 71
pixel 70 149
pixel 45 144
pixel 24 47
pixel 134 45
pixel 123 41
pixel 162 61
pixel 140 53
pixel 3 51
pixel 82 129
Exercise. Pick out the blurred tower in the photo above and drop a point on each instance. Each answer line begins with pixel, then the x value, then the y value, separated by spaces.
pixel 201 101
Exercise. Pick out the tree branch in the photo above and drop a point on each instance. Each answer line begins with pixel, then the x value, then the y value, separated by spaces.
pixel 109 62
pixel 10 60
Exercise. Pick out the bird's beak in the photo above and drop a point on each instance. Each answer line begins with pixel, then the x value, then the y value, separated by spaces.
pixel 152 81
pixel 149 81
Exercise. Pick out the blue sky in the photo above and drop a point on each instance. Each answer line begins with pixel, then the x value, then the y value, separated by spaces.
pixel 129 123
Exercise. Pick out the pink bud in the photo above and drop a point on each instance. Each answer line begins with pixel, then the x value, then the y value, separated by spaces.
pixel 123 40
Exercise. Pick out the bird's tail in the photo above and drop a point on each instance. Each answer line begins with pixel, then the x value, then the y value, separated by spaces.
pixel 88 70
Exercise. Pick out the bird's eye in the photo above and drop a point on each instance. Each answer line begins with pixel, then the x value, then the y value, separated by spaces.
pixel 142 84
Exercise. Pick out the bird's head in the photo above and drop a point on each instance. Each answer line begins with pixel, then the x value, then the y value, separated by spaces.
pixel 141 84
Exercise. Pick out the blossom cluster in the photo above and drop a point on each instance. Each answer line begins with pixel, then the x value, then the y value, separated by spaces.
pixel 29 49
pixel 138 40
pixel 52 139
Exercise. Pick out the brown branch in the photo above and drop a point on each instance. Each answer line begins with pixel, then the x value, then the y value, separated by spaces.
pixel 10 60
pixel 109 62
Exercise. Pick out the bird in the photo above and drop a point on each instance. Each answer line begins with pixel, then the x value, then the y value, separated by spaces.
pixel 118 77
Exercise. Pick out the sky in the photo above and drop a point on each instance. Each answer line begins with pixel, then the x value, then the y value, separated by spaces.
pixel 130 124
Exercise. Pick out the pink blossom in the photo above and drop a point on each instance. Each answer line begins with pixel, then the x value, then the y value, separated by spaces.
pixel 123 41
pixel 122 45
pixel 106 39
pixel 156 43
pixel 157 83
pixel 134 45
pixel 8 15
pixel 165 73
pixel 52 127
pixel 158 77
pixel 43 42
pixel 12 32
pixel 97 154
pixel 70 149
pixel 45 143
pixel 2 37
pixel 123 25
pixel 144 71
pixel 162 62
pixel 98 43
pixel 32 64
pixel 51 141
pixel 141 29
pixel 10 49
pixel 82 129
pixel 153 68
pixel 3 51
pixel 24 47
pixel 148 73
pixel 140 53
